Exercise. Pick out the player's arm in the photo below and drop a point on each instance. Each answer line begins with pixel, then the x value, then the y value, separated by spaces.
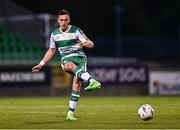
pixel 84 40
pixel 88 43
pixel 49 54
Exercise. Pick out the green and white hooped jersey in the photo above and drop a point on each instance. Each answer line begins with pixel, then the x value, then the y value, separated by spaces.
pixel 67 42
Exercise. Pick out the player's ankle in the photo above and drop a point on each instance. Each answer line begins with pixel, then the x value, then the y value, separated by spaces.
pixel 70 112
pixel 91 80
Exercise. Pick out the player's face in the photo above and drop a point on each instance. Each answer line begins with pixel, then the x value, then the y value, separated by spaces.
pixel 63 21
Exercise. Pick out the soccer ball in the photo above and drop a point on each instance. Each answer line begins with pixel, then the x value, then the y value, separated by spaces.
pixel 146 112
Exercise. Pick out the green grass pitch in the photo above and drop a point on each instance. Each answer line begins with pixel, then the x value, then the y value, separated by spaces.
pixel 92 113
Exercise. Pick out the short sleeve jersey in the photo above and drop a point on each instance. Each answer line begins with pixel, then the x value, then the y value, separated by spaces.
pixel 67 42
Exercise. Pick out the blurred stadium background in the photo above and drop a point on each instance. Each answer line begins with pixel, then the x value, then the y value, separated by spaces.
pixel 136 57
pixel 137 46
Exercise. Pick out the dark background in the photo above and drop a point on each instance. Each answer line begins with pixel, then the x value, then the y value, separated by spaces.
pixel 146 30
pixel 140 17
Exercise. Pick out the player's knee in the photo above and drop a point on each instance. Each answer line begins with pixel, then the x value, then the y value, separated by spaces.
pixel 70 66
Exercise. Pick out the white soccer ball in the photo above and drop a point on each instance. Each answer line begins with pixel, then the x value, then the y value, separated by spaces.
pixel 146 112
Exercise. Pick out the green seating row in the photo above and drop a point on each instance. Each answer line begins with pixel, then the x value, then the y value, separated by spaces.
pixel 3 29
pixel 14 47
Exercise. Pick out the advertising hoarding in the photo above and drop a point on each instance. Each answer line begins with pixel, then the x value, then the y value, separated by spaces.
pixel 22 76
pixel 164 83
pixel 121 74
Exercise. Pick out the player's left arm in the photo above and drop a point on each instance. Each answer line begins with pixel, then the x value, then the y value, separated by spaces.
pixel 88 43
pixel 84 40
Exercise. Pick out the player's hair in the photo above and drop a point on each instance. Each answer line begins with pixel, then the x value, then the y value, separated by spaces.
pixel 63 12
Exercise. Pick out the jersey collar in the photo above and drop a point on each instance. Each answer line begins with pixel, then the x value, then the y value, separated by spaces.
pixel 66 30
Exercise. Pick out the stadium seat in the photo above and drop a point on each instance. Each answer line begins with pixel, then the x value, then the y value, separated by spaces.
pixel 4 53
pixel 3 38
pixel 3 29
pixel 35 50
pixel 13 47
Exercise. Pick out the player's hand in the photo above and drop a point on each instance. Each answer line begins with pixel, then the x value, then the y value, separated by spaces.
pixel 82 44
pixel 36 68
pixel 88 44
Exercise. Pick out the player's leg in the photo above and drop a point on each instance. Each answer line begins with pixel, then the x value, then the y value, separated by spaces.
pixel 93 84
pixel 81 72
pixel 76 86
pixel 78 67
pixel 69 67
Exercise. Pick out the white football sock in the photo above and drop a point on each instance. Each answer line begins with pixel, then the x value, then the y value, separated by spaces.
pixel 85 76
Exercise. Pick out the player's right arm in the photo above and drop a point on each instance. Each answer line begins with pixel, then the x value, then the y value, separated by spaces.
pixel 49 54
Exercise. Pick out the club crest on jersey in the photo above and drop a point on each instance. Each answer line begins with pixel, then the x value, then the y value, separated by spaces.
pixel 57 37
pixel 64 36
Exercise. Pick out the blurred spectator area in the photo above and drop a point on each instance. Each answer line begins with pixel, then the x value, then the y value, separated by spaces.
pixel 24 36
pixel 157 49
pixel 14 47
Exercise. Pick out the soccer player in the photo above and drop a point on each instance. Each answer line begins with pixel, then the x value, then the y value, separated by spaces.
pixel 69 40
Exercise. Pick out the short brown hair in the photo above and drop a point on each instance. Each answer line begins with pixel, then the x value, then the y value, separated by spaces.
pixel 63 12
